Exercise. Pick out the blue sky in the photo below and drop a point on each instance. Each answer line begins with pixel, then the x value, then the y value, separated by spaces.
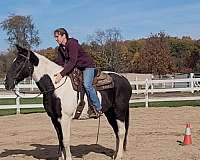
pixel 134 18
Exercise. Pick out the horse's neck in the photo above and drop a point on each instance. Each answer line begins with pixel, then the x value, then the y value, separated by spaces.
pixel 45 67
pixel 49 68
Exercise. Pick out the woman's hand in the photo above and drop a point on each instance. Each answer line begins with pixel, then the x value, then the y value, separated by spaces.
pixel 57 77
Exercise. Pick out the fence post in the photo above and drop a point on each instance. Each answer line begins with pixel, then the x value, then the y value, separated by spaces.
pixel 137 86
pixel 173 83
pixel 18 100
pixel 192 82
pixel 32 83
pixel 151 86
pixel 146 93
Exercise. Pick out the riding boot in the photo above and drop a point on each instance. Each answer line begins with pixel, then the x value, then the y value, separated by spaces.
pixel 94 113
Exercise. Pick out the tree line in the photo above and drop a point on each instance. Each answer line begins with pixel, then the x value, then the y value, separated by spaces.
pixel 158 54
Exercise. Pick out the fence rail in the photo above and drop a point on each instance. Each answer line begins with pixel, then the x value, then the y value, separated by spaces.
pixel 144 88
pixel 147 87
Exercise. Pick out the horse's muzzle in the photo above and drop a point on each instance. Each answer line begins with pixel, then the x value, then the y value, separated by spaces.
pixel 9 85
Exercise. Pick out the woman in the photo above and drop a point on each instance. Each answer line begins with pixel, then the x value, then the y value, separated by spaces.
pixel 72 55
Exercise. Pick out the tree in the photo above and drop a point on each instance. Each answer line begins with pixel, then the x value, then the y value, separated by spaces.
pixel 5 61
pixel 155 56
pixel 50 53
pixel 20 30
pixel 134 48
pixel 184 53
pixel 192 60
pixel 107 48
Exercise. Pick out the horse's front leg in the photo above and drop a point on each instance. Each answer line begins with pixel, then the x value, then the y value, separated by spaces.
pixel 66 129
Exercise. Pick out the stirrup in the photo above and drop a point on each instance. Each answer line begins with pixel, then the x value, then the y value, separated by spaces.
pixel 96 114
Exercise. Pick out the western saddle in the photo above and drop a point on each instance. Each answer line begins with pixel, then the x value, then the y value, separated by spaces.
pixel 101 82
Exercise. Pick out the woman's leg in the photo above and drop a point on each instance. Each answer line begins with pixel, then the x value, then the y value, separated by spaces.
pixel 88 76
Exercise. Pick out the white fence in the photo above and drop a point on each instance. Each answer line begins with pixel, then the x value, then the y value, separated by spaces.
pixel 31 86
pixel 147 87
pixel 144 88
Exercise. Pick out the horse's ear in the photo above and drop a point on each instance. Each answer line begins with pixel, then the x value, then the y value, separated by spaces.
pixel 20 49
pixel 34 59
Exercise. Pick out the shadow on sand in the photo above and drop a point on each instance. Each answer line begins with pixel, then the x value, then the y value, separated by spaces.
pixel 49 152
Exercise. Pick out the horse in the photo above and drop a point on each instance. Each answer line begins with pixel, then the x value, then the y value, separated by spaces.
pixel 60 100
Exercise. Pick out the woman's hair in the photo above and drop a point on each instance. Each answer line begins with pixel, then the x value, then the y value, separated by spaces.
pixel 61 31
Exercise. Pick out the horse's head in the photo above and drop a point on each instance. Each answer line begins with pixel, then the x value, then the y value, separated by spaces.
pixel 22 67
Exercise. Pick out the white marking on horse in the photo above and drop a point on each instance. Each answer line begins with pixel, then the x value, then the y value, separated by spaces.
pixel 121 134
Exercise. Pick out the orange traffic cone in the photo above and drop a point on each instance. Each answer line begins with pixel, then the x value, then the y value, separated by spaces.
pixel 187 138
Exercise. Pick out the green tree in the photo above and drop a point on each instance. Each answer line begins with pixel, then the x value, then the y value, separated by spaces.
pixel 107 48
pixel 20 30
pixel 134 48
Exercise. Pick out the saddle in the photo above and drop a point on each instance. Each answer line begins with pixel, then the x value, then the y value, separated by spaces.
pixel 101 82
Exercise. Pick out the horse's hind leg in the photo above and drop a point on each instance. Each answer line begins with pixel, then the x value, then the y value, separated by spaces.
pixel 119 130
pixel 120 140
pixel 126 128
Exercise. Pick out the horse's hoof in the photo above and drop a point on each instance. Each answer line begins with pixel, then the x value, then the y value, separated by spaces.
pixel 116 158
pixel 61 158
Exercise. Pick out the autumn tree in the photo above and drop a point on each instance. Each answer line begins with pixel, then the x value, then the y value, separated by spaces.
pixel 49 53
pixel 155 56
pixel 20 30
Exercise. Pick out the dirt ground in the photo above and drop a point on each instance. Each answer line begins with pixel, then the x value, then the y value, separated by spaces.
pixel 154 134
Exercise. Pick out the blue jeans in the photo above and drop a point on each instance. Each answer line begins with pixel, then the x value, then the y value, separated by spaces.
pixel 88 76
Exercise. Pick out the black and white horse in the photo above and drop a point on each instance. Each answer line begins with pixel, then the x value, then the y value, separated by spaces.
pixel 60 100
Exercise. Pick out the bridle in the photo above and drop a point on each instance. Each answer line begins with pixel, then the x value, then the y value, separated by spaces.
pixel 21 69
pixel 27 60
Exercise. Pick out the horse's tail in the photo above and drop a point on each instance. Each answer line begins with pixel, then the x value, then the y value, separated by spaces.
pixel 126 128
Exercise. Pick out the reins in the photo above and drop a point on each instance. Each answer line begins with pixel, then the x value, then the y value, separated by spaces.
pixel 18 95
pixel 98 129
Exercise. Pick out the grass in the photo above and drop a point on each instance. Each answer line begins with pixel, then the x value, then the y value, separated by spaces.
pixel 4 112
pixel 167 104
pixel 11 101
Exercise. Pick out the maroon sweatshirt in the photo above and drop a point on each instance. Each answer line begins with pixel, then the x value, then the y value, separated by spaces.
pixel 72 55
